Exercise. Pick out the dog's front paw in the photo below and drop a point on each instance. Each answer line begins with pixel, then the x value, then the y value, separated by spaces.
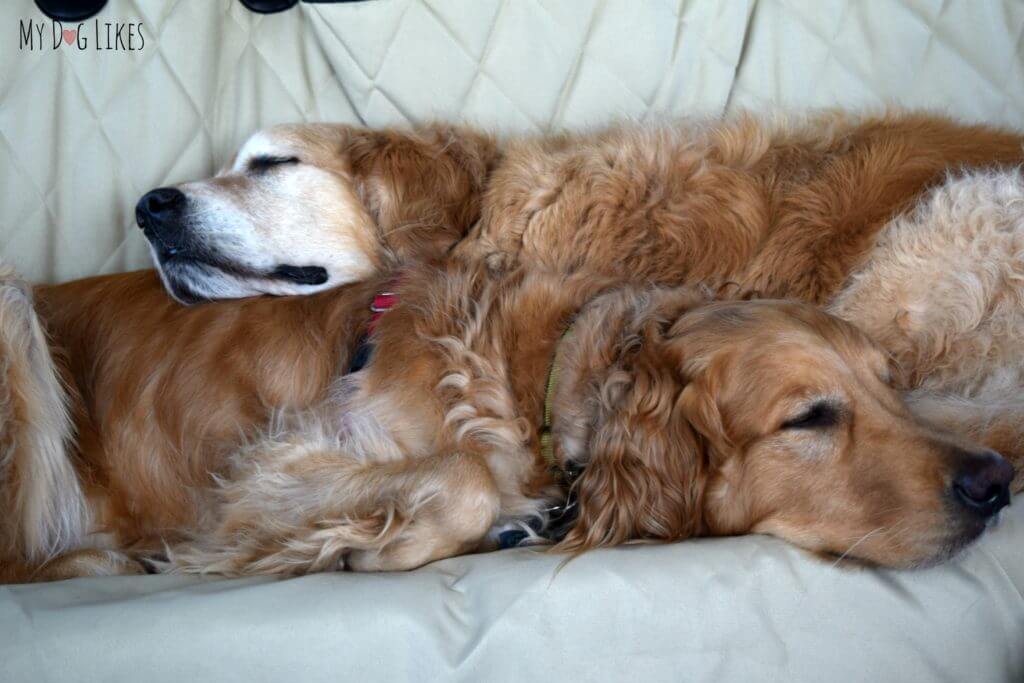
pixel 89 562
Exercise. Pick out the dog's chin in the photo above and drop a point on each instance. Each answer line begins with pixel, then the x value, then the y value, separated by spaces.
pixel 191 282
pixel 967 531
pixel 949 547
pixel 954 544
pixel 970 531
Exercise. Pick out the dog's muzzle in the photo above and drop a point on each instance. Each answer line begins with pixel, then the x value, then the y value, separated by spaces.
pixel 160 213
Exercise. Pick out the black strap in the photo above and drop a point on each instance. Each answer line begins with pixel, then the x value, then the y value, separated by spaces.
pixel 274 6
pixel 361 356
pixel 269 6
pixel 80 10
pixel 70 10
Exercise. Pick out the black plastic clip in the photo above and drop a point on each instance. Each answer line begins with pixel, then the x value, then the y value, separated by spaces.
pixel 70 10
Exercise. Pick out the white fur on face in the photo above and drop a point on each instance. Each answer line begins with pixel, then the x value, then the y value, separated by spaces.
pixel 244 224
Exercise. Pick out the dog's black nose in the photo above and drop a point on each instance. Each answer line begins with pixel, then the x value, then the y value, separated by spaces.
pixel 983 483
pixel 160 206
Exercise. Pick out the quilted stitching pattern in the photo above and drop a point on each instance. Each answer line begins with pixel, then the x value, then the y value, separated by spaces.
pixel 963 57
pixel 83 134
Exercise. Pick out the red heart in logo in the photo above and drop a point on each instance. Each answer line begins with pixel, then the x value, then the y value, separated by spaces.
pixel 70 36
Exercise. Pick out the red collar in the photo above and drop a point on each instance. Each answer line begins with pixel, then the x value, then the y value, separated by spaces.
pixel 383 302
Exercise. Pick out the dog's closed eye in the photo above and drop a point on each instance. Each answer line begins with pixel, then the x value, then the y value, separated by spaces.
pixel 819 415
pixel 261 164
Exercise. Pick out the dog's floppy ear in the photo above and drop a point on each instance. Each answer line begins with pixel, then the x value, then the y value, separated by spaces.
pixel 645 473
pixel 423 187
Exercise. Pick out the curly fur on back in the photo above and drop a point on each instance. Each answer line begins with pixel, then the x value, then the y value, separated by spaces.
pixel 943 287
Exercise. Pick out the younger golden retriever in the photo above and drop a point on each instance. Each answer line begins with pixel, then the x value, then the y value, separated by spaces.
pixel 682 416
pixel 685 416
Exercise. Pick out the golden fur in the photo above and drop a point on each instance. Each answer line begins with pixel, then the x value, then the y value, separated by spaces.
pixel 781 208
pixel 44 512
pixel 672 402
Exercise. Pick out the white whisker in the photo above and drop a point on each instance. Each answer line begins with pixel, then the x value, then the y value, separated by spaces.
pixel 857 543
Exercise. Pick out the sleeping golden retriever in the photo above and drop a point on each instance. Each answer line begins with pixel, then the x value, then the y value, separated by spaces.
pixel 563 357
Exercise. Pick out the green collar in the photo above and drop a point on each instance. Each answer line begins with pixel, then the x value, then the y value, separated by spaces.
pixel 547 441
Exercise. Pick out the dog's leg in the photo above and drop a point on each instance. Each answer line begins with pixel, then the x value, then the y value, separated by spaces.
pixel 457 503
pixel 72 565
pixel 88 562
pixel 44 511
pixel 323 511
